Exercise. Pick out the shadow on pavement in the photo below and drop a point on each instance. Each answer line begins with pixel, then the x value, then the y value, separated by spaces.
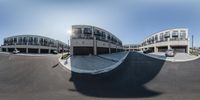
pixel 126 81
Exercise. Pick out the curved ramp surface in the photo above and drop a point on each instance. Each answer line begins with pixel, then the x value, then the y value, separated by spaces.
pixel 139 77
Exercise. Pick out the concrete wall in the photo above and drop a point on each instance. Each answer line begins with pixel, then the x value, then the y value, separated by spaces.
pixel 26 48
pixel 173 39
pixel 171 43
pixel 170 32
pixel 102 44
pixel 86 36
pixel 82 42
pixel 168 44
pixel 92 43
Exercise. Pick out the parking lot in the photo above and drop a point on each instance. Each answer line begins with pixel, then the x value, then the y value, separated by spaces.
pixel 178 57
pixel 139 77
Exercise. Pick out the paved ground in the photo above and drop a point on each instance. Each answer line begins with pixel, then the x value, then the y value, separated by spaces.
pixel 139 77
pixel 177 57
pixel 94 64
pixel 89 62
pixel 114 56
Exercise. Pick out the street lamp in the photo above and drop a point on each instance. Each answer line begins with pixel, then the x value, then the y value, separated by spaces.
pixel 68 46
pixel 69 32
pixel 192 42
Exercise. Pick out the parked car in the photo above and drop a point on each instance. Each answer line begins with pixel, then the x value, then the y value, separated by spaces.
pixel 147 51
pixel 170 53
pixel 55 52
pixel 16 51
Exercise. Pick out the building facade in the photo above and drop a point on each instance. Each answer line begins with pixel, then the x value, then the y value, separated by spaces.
pixel 86 40
pixel 131 47
pixel 32 44
pixel 176 39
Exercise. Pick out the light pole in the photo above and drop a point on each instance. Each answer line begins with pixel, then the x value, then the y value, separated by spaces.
pixel 192 43
pixel 69 33
pixel 62 51
pixel 68 47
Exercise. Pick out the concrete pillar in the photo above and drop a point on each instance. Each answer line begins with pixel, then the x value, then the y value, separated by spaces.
pixel 155 49
pixel 188 49
pixel 82 32
pixel 38 42
pixel 26 47
pixel 49 51
pixel 92 31
pixel 109 49
pixel 17 40
pixel 15 46
pixel 116 48
pixel 95 46
pixel 39 50
pixel 6 49
pixel 168 47
pixel 26 50
pixel 71 50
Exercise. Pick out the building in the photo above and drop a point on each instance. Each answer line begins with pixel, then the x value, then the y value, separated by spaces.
pixel 131 47
pixel 176 39
pixel 32 44
pixel 86 40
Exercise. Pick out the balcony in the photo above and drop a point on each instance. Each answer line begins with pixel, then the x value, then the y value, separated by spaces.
pixel 176 41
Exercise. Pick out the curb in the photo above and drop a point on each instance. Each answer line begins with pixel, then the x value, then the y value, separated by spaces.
pixel 94 71
pixel 170 60
pixel 37 55
pixel 4 53
pixel 28 55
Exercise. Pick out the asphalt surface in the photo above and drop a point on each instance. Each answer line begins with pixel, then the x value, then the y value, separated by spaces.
pixel 139 77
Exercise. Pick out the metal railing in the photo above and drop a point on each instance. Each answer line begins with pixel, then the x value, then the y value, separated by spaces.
pixel 166 40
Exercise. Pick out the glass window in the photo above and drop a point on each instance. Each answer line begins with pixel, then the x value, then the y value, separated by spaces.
pixel 183 34
pixel 152 38
pixel 77 31
pixel 103 34
pixel 30 39
pixel 87 31
pixel 175 34
pixel 41 41
pixel 5 41
pixel 20 40
pixel 15 40
pixel 45 42
pixel 156 37
pixel 35 40
pixel 24 40
pixel 97 32
pixel 167 34
pixel 161 36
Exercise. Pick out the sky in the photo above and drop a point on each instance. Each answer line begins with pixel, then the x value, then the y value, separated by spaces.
pixel 130 20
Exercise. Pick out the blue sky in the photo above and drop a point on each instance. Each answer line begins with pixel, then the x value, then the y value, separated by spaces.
pixel 130 20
